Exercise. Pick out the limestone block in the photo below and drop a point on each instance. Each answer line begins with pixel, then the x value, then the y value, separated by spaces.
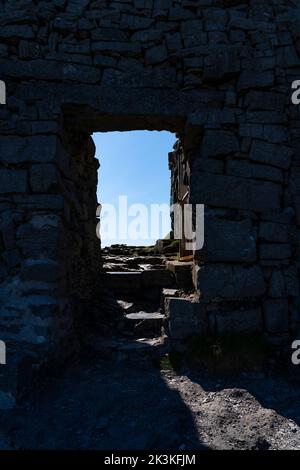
pixel 150 77
pixel 182 272
pixel 272 232
pixel 216 15
pixel 234 192
pixel 271 154
pixel 37 149
pixel 16 31
pixel 54 202
pixel 277 287
pixel 13 181
pixel 211 165
pixel 284 216
pixel 157 278
pixel 247 169
pixel 174 42
pixel 40 236
pixel 222 62
pixel 7 229
pixel 218 143
pixel 269 132
pixel 64 24
pixel 129 48
pixel 185 318
pixel 267 100
pixel 12 257
pixel 49 70
pixel 70 48
pixel 287 56
pixel 156 54
pixel 254 79
pixel 265 117
pixel 147 35
pixel 275 251
pixel 229 241
pixel 134 22
pixel 239 321
pixel 44 178
pixel 44 270
pixel 276 316
pixel 7 401
pixel 291 276
pixel 225 281
pixel 3 271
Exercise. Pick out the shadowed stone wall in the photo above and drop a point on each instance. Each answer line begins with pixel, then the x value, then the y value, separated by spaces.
pixel 217 72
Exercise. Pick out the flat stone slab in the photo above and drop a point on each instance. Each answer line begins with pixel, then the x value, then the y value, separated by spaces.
pixel 170 292
pixel 148 267
pixel 182 271
pixel 179 266
pixel 111 267
pixel 186 318
pixel 157 278
pixel 146 324
pixel 145 316
pixel 135 348
pixel 124 281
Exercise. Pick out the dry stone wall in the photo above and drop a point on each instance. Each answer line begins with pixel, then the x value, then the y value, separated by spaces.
pixel 217 72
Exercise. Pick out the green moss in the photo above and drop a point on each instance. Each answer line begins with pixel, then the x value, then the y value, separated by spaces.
pixel 171 361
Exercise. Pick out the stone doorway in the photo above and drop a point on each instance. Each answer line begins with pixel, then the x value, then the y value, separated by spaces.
pixel 134 281
pixel 49 222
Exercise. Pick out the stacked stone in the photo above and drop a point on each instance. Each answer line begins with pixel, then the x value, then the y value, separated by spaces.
pixel 242 175
pixel 218 72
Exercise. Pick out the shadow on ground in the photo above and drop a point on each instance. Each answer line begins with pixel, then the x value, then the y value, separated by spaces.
pixel 107 405
pixel 131 404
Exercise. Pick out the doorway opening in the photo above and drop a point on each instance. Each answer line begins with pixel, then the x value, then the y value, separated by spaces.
pixel 134 186
pixel 140 258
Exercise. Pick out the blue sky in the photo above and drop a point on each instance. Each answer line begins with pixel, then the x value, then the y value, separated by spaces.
pixel 133 164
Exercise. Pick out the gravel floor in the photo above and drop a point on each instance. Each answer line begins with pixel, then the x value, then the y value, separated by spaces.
pixel 125 405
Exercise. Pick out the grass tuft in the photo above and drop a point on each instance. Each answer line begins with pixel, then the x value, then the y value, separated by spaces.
pixel 228 354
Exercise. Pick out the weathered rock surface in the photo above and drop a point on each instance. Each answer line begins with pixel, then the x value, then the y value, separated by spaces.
pixel 218 75
pixel 250 412
pixel 221 280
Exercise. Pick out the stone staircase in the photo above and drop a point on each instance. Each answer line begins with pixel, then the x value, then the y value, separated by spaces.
pixel 136 281
pixel 136 277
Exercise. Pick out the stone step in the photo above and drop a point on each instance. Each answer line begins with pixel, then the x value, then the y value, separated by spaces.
pixel 136 263
pixel 128 349
pixel 137 281
pixel 157 278
pixel 123 267
pixel 124 282
pixel 114 267
pixel 182 271
pixel 144 323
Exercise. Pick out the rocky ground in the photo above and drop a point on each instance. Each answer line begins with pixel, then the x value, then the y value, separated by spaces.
pixel 122 394
pixel 131 403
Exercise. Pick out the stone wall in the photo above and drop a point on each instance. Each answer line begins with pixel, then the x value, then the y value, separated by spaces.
pixel 217 72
